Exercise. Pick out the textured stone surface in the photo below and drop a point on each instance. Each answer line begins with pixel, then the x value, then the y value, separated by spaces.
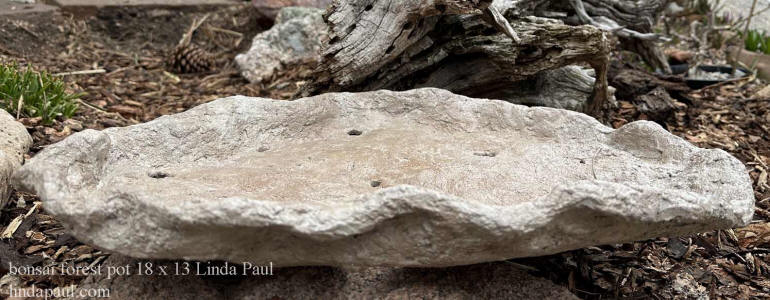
pixel 418 178
pixel 295 38
pixel 14 143
pixel 270 8
pixel 483 281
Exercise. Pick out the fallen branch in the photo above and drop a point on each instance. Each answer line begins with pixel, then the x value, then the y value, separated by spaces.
pixel 83 72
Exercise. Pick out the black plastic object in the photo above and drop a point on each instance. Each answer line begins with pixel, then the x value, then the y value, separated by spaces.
pixel 679 69
pixel 701 83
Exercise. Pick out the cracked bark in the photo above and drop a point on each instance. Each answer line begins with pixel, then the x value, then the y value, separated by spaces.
pixel 631 20
pixel 461 46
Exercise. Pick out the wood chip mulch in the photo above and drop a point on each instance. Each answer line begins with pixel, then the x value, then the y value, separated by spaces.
pixel 724 264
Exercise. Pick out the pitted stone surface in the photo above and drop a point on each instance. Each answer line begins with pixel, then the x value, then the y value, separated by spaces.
pixel 417 178
pixel 14 143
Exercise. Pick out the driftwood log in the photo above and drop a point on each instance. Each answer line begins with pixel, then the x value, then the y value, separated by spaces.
pixel 467 47
pixel 472 47
pixel 631 21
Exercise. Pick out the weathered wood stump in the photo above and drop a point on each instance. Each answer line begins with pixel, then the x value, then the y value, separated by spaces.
pixel 463 46
pixel 630 20
pixel 471 47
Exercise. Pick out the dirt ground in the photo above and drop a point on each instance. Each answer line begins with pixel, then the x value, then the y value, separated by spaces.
pixel 131 46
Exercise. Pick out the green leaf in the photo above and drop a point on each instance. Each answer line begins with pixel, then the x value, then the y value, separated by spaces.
pixel 44 95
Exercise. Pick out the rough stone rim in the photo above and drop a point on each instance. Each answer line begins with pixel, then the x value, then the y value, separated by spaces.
pixel 387 203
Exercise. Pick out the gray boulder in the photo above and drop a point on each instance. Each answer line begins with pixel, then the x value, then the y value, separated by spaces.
pixel 14 143
pixel 294 39
pixel 417 178
pixel 483 281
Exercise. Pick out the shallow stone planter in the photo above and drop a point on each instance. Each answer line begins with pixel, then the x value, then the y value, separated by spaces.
pixel 418 178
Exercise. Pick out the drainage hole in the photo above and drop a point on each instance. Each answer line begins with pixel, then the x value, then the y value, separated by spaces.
pixel 485 153
pixel 158 174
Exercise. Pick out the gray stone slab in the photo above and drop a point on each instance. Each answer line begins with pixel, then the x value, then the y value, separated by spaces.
pixel 419 178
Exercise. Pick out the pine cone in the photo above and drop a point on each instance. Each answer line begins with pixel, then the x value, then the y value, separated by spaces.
pixel 190 59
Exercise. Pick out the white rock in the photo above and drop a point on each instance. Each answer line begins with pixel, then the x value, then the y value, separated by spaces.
pixel 14 143
pixel 685 285
pixel 417 178
pixel 295 38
